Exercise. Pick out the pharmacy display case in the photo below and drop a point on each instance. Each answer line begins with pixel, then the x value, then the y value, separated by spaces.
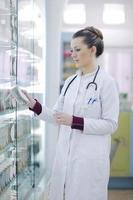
pixel 69 67
pixel 21 134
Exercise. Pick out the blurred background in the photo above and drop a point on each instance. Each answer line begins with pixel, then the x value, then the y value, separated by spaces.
pixel 35 40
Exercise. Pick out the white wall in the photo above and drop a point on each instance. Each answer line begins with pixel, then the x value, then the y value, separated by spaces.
pixel 54 11
pixel 118 38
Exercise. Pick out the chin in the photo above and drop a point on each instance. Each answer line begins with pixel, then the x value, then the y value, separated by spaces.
pixel 79 67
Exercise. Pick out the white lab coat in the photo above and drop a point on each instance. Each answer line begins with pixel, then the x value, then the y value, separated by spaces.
pixel 81 167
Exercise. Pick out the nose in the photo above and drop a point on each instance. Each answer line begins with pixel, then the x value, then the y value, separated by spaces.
pixel 73 54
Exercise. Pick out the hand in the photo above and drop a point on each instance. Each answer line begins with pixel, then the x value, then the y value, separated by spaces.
pixel 32 101
pixel 63 118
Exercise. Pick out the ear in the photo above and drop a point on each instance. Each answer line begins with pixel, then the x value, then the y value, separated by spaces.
pixel 93 50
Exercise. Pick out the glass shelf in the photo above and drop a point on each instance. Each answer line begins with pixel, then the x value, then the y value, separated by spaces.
pixel 20 143
pixel 10 80
pixel 8 5
pixel 6 11
pixel 7 148
pixel 7 192
pixel 6 45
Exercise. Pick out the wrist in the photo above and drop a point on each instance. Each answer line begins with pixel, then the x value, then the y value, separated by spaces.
pixel 77 123
pixel 71 121
pixel 37 107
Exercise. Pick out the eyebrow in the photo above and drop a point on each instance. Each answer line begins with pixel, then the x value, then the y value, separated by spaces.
pixel 75 47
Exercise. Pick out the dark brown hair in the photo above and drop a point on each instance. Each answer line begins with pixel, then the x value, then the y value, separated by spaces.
pixel 92 37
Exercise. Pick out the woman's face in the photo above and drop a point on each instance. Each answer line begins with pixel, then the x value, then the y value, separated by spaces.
pixel 80 53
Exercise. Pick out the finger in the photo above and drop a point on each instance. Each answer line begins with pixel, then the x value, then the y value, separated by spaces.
pixel 24 91
pixel 26 94
pixel 57 119
pixel 58 113
pixel 56 116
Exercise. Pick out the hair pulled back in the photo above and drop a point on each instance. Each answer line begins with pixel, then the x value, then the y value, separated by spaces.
pixel 92 37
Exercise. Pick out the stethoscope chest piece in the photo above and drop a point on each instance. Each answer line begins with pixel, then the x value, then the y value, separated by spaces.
pixel 93 82
pixel 92 86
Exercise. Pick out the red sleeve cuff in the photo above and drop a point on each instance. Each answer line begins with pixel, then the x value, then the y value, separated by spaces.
pixel 78 123
pixel 37 108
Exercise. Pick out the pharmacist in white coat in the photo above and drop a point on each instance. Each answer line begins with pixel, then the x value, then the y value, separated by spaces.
pixel 87 113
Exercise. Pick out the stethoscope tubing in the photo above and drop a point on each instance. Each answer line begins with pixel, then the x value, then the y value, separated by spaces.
pixel 91 83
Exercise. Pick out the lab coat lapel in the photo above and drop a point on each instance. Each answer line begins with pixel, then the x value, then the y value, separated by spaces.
pixel 71 95
pixel 76 89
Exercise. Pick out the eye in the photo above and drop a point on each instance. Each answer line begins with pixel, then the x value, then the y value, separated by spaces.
pixel 71 50
pixel 77 49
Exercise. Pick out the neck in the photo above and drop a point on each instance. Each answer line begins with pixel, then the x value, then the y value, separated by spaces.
pixel 88 69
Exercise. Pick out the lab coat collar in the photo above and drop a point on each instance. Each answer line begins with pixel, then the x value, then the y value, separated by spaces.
pixel 79 73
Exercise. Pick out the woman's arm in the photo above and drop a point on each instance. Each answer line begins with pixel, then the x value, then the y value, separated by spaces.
pixel 107 124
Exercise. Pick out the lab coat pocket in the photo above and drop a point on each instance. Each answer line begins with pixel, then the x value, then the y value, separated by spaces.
pixel 91 107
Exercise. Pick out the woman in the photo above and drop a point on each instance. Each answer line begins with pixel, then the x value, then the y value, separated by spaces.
pixel 87 112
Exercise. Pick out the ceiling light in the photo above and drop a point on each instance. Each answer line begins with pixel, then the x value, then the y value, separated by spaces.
pixel 75 14
pixel 114 14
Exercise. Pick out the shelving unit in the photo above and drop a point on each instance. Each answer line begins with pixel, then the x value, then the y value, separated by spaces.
pixel 8 16
pixel 21 135
pixel 68 66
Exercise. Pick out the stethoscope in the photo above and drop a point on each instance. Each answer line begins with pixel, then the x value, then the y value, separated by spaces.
pixel 89 84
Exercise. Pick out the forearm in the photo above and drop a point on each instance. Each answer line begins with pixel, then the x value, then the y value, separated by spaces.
pixel 99 126
pixel 88 126
pixel 43 112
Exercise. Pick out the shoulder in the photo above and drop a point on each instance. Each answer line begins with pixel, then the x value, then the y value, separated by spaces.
pixel 106 77
pixel 67 82
pixel 107 81
pixel 70 78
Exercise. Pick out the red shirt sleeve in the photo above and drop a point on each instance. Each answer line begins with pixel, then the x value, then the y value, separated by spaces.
pixel 77 123
pixel 37 108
